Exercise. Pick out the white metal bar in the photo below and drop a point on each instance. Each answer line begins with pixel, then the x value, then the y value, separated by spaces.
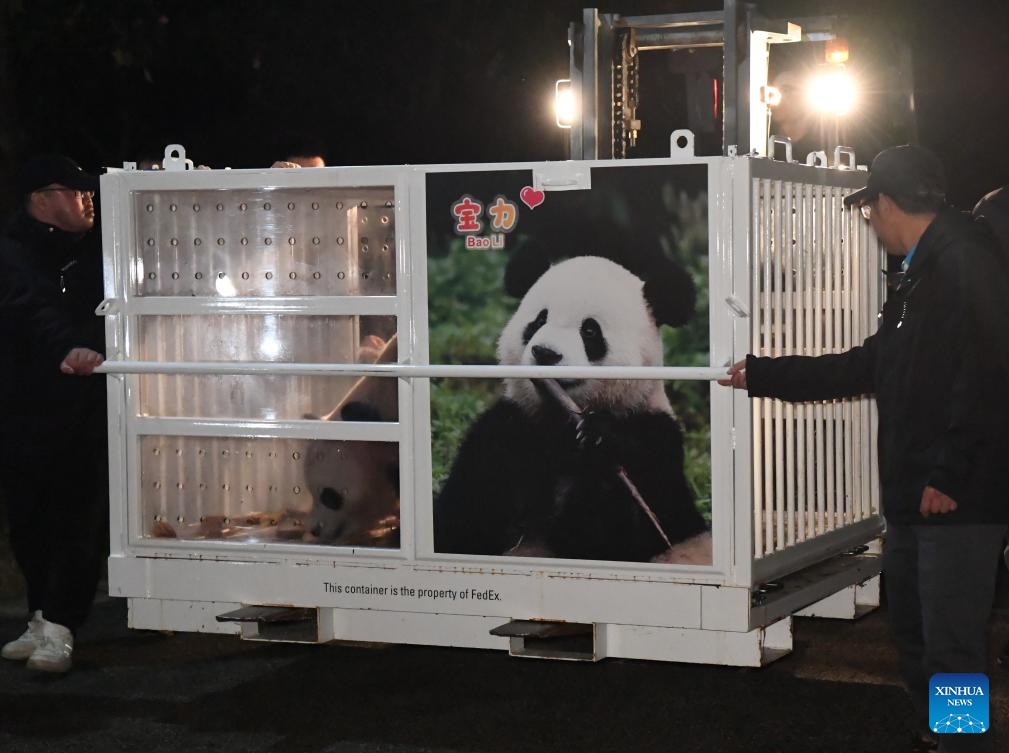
pixel 830 249
pixel 363 305
pixel 819 348
pixel 768 349
pixel 365 431
pixel 808 412
pixel 789 346
pixel 758 314
pixel 411 371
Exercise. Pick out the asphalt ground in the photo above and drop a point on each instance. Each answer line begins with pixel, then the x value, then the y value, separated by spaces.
pixel 184 693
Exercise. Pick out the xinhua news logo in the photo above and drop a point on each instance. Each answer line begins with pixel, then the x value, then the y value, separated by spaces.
pixel 958 703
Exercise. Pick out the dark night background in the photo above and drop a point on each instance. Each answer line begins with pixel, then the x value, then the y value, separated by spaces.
pixel 429 81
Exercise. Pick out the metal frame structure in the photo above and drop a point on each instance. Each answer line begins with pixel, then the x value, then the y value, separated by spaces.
pixel 770 561
pixel 604 50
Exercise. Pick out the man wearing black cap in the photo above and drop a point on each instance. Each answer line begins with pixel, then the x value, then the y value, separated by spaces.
pixel 936 366
pixel 53 459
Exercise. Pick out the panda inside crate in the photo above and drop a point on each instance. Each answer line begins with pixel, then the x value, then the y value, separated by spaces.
pixel 530 478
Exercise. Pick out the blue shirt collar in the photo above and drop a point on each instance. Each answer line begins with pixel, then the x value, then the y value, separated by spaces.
pixel 907 259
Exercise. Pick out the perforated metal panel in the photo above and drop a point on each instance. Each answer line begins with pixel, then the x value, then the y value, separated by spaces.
pixel 262 490
pixel 265 242
pixel 241 337
pixel 816 289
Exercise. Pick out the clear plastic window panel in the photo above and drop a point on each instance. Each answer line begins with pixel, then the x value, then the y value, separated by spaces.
pixel 265 242
pixel 321 492
pixel 271 338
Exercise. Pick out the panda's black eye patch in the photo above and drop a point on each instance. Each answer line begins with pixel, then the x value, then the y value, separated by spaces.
pixel 533 326
pixel 331 499
pixel 593 340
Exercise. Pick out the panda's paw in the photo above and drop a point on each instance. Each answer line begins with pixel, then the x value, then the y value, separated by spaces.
pixel 594 432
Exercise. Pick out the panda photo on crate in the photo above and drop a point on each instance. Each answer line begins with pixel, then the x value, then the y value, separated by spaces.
pixel 542 475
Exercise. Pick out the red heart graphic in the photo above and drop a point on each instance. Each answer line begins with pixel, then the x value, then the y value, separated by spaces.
pixel 531 197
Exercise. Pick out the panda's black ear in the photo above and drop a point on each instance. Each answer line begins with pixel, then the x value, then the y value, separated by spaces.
pixel 670 293
pixel 525 266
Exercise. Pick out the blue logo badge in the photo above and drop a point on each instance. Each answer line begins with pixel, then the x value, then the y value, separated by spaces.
pixel 958 703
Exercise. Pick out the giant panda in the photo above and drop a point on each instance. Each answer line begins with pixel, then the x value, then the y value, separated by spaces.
pixel 529 479
pixel 355 485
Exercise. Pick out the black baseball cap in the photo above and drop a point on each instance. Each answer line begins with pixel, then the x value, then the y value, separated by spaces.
pixel 902 172
pixel 45 169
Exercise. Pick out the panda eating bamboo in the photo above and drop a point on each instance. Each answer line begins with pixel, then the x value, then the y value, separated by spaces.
pixel 530 478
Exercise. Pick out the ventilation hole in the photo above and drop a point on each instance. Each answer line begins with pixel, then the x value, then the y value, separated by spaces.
pixel 201 452
pixel 242 207
pixel 269 275
pixel 267 206
pixel 225 453
pixel 180 519
pixel 340 275
pixel 248 453
pixel 248 487
pixel 199 275
pixel 245 275
pixel 203 485
pixel 175 241
pixel 220 241
pixel 268 241
pixel 316 275
pixel 364 220
pixel 178 450
pixel 156 451
pixel 293 275
pixel 296 455
pixel 339 241
pixel 151 276
pixel 178 485
pixel 296 490
pixel 197 242
pixel 175 275
pixel 315 205
pixel 150 207
pixel 316 241
pixel 173 207
pixel 150 241
pixel 364 276
pixel 290 205
pixel 339 205
pixel 220 207
pixel 388 205
pixel 244 241
pixel 291 241
pixel 226 487
pixel 196 207
pixel 364 248
pixel 364 205
pixel 157 484
pixel 385 248
pixel 385 219
pixel 221 275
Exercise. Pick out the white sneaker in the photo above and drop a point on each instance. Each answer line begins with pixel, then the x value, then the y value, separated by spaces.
pixel 56 649
pixel 21 648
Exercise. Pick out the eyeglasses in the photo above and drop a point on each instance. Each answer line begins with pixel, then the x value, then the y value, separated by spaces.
pixel 75 191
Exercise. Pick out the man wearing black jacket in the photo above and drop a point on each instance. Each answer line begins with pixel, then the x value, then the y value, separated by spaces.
pixel 53 457
pixel 937 367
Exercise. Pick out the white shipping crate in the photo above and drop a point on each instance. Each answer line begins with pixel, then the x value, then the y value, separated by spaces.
pixel 246 307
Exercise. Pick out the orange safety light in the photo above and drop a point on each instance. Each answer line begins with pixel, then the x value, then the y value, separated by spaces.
pixel 837 51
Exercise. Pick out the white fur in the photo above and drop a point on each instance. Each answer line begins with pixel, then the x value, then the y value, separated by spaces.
pixel 572 291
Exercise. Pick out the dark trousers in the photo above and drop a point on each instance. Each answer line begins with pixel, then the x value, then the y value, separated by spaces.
pixel 57 508
pixel 940 585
